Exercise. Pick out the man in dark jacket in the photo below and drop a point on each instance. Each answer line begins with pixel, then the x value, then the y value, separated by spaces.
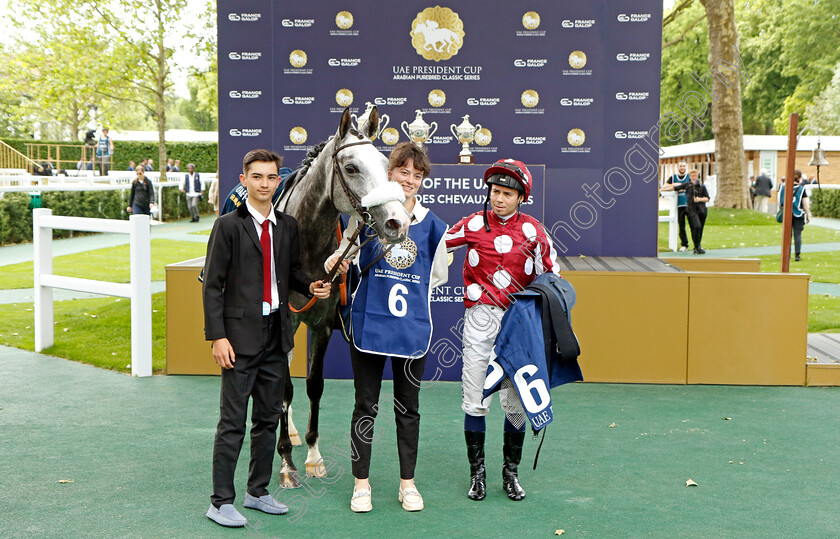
pixel 763 185
pixel 252 262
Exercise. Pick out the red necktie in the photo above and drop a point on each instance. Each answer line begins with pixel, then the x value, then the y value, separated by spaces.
pixel 265 243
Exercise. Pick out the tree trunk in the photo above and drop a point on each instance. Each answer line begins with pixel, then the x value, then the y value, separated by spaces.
pixel 160 91
pixel 727 121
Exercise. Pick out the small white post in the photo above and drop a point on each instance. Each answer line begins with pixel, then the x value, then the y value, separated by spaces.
pixel 141 295
pixel 43 265
pixel 673 226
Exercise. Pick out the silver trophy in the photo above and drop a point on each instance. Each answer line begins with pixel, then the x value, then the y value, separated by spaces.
pixel 419 131
pixel 465 133
pixel 364 119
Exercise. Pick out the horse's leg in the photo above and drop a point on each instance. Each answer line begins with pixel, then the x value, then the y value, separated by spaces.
pixel 289 477
pixel 294 436
pixel 314 390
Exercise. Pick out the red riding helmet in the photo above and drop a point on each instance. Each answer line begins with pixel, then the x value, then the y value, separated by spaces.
pixel 512 174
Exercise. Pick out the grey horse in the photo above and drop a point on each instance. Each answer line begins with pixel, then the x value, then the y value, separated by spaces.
pixel 346 174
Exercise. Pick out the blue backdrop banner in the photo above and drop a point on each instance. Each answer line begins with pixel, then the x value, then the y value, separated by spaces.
pixel 571 88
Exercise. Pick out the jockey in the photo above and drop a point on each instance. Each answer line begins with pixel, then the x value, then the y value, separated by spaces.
pixel 507 249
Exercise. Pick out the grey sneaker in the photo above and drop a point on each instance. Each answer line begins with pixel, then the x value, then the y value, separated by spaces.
pixel 227 516
pixel 266 504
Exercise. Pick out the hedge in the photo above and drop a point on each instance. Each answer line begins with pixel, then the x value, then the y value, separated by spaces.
pixel 16 214
pixel 205 155
pixel 825 203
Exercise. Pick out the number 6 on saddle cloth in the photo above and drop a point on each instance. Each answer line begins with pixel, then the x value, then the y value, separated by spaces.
pixel 536 347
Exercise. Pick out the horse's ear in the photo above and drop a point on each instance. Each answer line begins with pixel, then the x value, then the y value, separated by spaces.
pixel 373 123
pixel 344 126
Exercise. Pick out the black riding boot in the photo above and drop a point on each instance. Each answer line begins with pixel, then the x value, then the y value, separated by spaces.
pixel 513 454
pixel 475 453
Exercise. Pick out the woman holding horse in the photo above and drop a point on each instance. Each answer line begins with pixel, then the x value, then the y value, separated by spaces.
pixel 391 317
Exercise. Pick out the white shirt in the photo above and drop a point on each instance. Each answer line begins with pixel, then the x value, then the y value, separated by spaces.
pixel 258 219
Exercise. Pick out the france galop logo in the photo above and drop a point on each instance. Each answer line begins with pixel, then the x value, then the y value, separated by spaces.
pixel 402 255
pixel 483 137
pixel 437 33
pixel 390 136
pixel 344 97
pixel 576 137
pixel 437 98
pixel 530 98
pixel 297 135
pixel 531 20
pixel 297 58
pixel 577 59
pixel 344 20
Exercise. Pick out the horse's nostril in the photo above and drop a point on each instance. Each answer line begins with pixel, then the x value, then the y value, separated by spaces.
pixel 393 224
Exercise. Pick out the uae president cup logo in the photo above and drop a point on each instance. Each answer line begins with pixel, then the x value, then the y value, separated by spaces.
pixel 297 135
pixel 531 20
pixel 344 97
pixel 297 58
pixel 576 137
pixel 437 33
pixel 344 20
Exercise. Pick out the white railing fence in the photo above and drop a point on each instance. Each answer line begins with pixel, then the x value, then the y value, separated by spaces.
pixel 669 202
pixel 139 290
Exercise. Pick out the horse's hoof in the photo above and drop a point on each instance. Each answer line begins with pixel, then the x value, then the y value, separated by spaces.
pixel 316 469
pixel 295 439
pixel 290 479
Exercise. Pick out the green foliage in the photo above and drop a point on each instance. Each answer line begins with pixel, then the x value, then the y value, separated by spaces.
pixel 175 204
pixel 825 203
pixel 205 155
pixel 16 217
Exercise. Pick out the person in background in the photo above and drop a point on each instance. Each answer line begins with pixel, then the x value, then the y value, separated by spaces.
pixel 169 164
pixel 682 208
pixel 142 196
pixel 801 210
pixel 696 196
pixel 132 166
pixel 193 186
pixel 763 187
pixel 177 166
pixel 104 151
pixel 213 194
pixel 150 165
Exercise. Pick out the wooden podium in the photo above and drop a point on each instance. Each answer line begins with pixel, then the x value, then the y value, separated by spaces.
pixel 186 350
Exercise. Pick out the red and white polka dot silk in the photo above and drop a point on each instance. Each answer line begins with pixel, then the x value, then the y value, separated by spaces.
pixel 504 260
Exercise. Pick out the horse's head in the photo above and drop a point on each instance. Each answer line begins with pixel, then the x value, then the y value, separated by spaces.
pixel 365 178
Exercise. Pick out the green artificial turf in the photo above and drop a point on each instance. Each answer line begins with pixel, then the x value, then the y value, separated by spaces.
pixel 94 331
pixel 108 264
pixel 726 228
pixel 136 455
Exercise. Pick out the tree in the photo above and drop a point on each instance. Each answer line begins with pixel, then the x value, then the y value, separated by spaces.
pixel 824 113
pixel 727 124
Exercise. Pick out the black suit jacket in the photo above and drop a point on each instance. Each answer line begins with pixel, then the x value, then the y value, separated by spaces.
pixel 233 280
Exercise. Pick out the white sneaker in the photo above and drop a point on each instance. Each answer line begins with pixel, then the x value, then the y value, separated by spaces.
pixel 683 248
pixel 411 499
pixel 361 501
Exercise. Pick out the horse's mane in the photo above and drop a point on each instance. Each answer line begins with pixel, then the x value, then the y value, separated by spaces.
pixel 301 171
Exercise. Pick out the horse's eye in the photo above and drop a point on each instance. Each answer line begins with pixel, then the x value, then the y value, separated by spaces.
pixel 352 169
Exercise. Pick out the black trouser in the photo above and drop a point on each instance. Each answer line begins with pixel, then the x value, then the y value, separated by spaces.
pixel 798 224
pixel 367 379
pixel 681 215
pixel 697 220
pixel 261 377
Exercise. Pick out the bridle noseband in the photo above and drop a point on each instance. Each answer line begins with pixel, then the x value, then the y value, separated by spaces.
pixel 354 199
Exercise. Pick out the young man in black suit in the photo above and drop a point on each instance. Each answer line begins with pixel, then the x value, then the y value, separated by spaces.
pixel 246 315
